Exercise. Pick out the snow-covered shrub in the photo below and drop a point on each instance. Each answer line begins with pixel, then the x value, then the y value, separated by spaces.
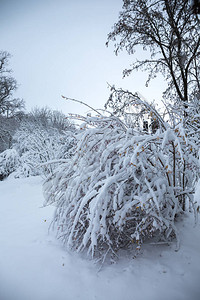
pixel 37 146
pixel 122 186
pixel 9 161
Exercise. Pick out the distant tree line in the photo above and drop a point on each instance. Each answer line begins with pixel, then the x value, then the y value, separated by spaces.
pixel 28 139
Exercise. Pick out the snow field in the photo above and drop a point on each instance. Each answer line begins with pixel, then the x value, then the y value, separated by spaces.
pixel 34 265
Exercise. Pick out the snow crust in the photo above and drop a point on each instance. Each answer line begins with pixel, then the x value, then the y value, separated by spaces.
pixel 34 265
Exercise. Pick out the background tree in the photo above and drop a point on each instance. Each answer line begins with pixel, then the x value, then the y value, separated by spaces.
pixel 44 135
pixel 10 107
pixel 170 31
pixel 48 119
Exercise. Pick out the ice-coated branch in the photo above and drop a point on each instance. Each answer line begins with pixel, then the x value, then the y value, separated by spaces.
pixel 81 102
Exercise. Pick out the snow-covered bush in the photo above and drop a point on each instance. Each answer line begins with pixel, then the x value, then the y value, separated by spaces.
pixel 9 161
pixel 37 146
pixel 123 186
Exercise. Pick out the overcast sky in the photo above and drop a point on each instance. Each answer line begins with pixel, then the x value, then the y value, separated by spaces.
pixel 58 48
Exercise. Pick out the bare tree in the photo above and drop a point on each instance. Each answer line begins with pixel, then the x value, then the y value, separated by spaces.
pixel 170 31
pixel 47 119
pixel 8 104
pixel 10 107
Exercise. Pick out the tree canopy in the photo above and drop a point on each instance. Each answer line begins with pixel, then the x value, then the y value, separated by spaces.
pixel 8 104
pixel 170 31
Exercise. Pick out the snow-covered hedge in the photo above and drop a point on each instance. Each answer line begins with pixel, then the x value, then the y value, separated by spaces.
pixel 9 161
pixel 122 186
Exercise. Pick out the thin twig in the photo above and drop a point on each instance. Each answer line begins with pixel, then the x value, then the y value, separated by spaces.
pixel 83 103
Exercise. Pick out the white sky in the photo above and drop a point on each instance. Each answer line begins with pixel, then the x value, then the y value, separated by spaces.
pixel 58 48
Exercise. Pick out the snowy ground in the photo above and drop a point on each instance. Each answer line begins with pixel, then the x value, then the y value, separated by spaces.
pixel 34 266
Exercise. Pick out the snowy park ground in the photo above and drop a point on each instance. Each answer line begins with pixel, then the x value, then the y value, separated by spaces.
pixel 35 266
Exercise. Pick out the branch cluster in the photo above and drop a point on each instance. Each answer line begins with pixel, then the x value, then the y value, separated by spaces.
pixel 170 31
